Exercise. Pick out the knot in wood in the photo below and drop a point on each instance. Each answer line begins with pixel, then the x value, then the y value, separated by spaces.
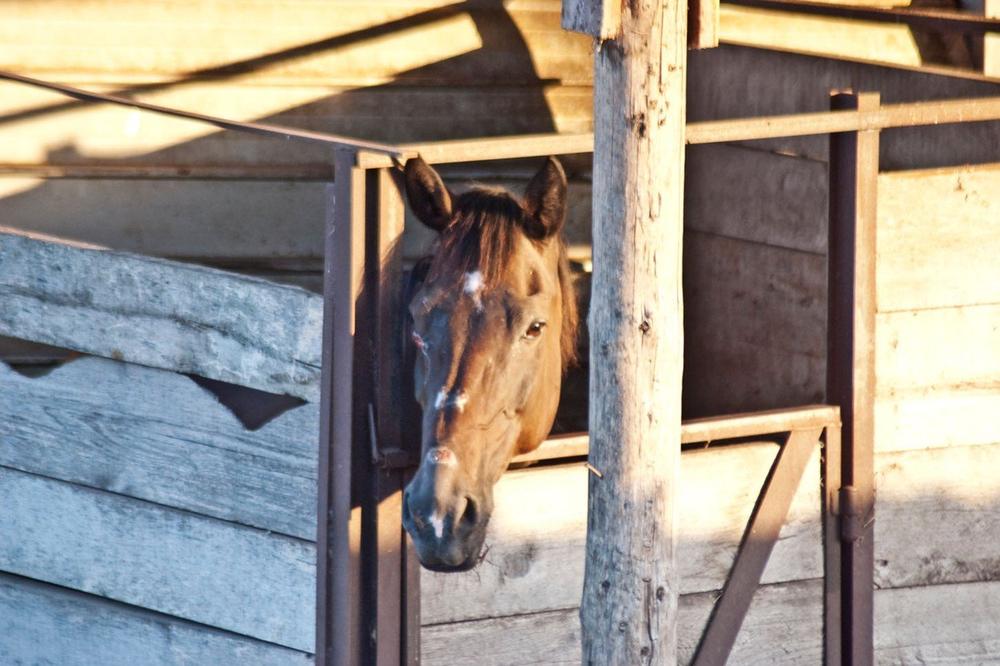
pixel 645 326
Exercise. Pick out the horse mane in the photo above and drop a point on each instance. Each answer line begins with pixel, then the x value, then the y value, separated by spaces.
pixel 482 237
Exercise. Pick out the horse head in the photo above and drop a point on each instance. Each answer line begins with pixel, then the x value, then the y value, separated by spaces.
pixel 494 325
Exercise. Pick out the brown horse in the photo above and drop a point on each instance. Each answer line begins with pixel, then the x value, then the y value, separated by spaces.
pixel 494 325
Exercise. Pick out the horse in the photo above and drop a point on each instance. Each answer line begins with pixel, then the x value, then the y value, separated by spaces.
pixel 494 325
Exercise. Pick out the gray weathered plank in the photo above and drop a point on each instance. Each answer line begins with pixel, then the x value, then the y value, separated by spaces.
pixel 162 314
pixel 158 436
pixel 45 624
pixel 535 562
pixel 223 575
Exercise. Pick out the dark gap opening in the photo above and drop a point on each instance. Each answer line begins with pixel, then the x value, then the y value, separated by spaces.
pixel 252 407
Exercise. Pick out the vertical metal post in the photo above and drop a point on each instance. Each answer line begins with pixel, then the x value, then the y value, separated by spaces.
pixel 851 362
pixel 397 589
pixel 338 617
pixel 830 490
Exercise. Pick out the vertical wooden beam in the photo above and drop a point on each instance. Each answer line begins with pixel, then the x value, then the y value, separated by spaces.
pixel 338 608
pixel 600 19
pixel 991 41
pixel 703 24
pixel 629 606
pixel 851 361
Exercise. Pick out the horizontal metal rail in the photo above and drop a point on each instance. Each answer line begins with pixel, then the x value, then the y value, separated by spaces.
pixel 981 109
pixel 706 430
pixel 276 131
pixel 378 155
pixel 943 20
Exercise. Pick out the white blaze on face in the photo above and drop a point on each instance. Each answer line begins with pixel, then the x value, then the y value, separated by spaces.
pixel 474 287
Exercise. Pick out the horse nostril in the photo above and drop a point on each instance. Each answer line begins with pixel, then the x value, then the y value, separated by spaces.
pixel 408 515
pixel 470 516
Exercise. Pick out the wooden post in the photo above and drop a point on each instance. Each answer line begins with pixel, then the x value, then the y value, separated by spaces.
pixel 629 606
pixel 991 41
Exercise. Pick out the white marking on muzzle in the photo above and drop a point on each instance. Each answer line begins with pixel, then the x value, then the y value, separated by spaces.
pixel 438 522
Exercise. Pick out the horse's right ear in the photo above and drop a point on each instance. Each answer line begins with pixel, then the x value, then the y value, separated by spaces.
pixel 428 197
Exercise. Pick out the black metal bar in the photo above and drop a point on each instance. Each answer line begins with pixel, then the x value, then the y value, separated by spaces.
pixel 832 557
pixel 755 548
pixel 851 355
pixel 941 20
pixel 338 528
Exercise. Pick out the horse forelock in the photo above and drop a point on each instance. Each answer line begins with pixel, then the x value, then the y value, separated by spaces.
pixel 482 238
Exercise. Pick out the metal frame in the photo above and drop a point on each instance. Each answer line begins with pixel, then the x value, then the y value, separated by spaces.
pixel 368 579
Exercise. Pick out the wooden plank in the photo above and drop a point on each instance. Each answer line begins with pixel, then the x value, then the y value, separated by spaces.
pixel 240 579
pixel 755 319
pixel 874 41
pixel 756 195
pixel 43 128
pixel 179 317
pixel 937 508
pixel 784 626
pixel 939 236
pixel 189 452
pixel 535 562
pixel 196 219
pixel 941 623
pixel 952 395
pixel 45 624
pixel 427 42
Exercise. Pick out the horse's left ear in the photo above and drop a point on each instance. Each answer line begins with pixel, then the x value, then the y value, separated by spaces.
pixel 545 200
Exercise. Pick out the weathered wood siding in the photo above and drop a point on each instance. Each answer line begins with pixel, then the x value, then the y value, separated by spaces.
pixel 185 318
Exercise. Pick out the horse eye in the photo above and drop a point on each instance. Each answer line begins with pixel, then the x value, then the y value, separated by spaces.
pixel 535 329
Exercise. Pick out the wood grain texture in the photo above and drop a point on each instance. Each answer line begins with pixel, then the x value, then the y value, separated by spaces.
pixel 535 562
pixel 755 326
pixel 936 509
pixel 889 43
pixel 179 317
pixel 600 19
pixel 946 624
pixel 636 328
pixel 45 624
pixel 158 436
pixel 240 579
pixel 939 238
pixel 783 626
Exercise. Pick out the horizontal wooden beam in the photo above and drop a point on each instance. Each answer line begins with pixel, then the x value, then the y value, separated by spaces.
pixel 943 20
pixel 707 429
pixel 159 313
